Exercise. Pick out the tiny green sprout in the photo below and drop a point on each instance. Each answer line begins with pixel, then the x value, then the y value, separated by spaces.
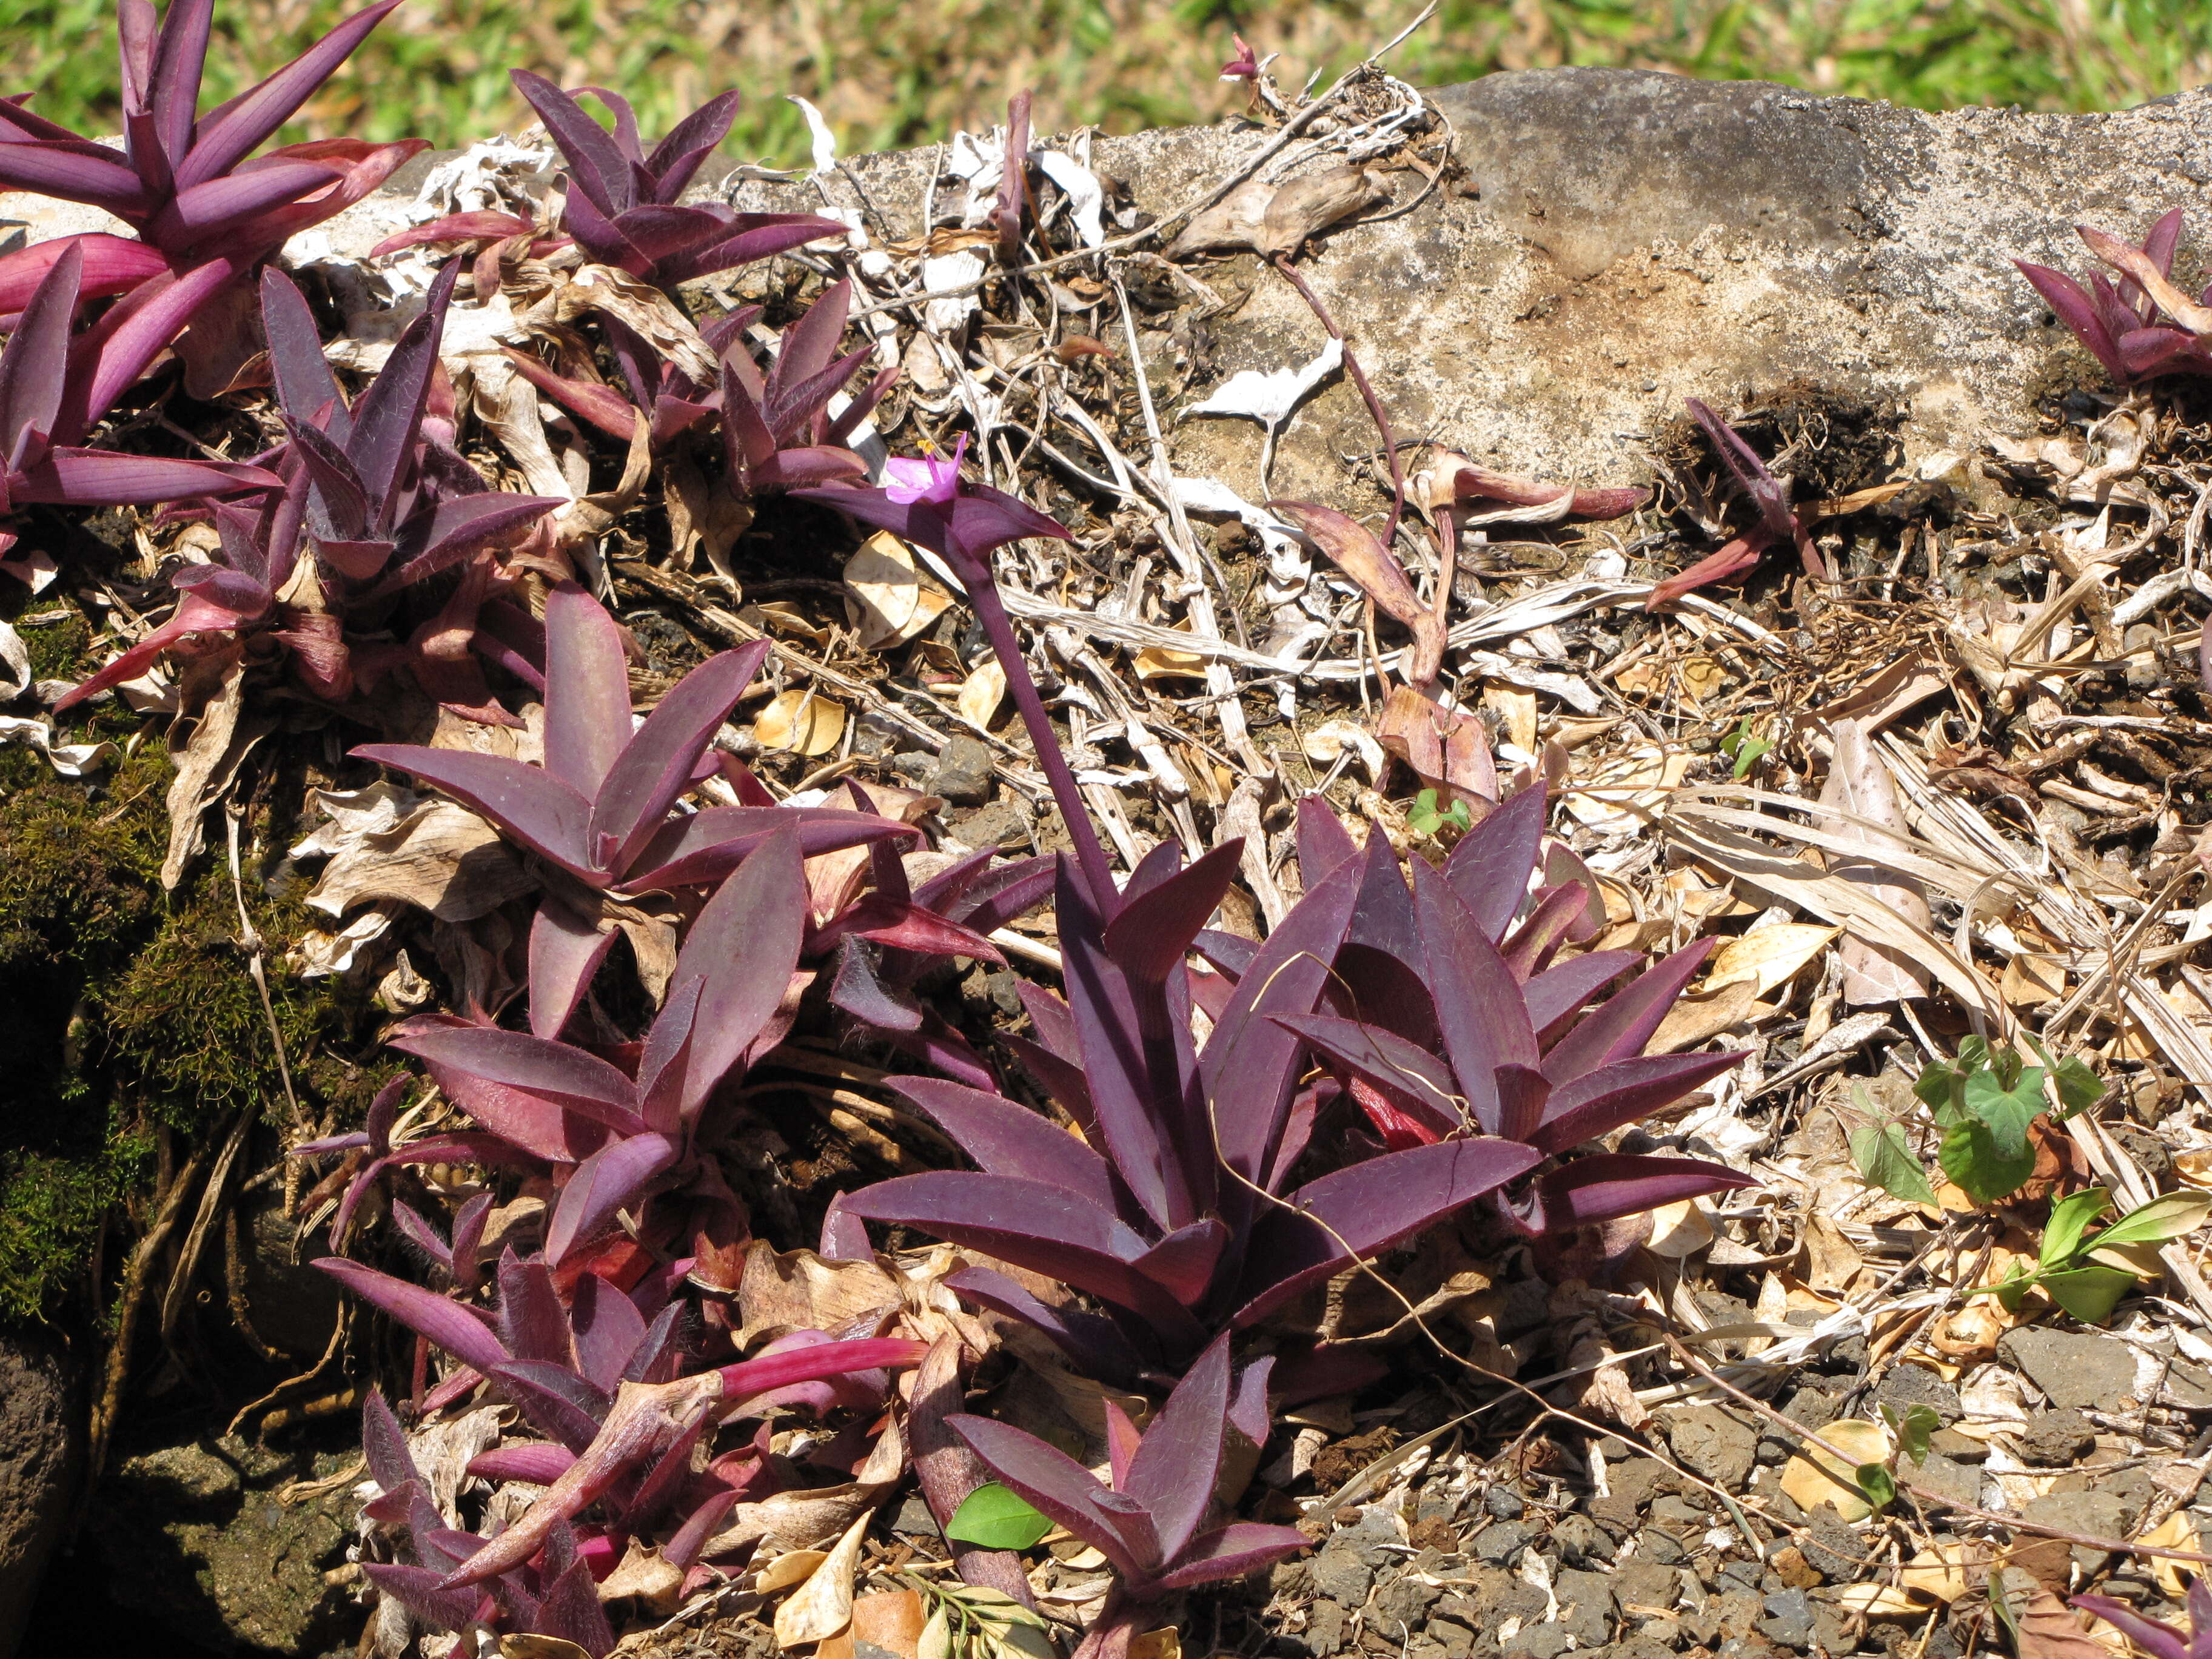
pixel 1423 817
pixel 1742 749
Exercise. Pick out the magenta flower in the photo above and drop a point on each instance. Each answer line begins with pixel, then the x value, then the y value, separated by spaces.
pixel 933 478
pixel 1245 66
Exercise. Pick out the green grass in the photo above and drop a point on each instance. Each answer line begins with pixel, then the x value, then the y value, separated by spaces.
pixel 889 74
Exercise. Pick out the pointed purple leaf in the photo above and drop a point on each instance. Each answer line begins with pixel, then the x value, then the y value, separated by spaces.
pixel 655 767
pixel 1233 1552
pixel 1412 1078
pixel 1599 1101
pixel 226 136
pixel 1061 1489
pixel 614 1177
pixel 565 953
pixel 1619 1027
pixel 1327 1224
pixel 34 361
pixel 1005 1139
pixel 535 808
pixel 1491 866
pixel 1149 935
pixel 1478 1009
pixel 1557 993
pixel 742 952
pixel 1179 1458
pixel 587 717
pixel 554 1400
pixel 539 1462
pixel 552 1070
pixel 595 164
pixel 1607 1186
pixel 449 1324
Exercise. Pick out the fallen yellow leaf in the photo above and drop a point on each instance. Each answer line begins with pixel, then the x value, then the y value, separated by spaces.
pixel 806 724
pixel 1813 1477
pixel 1770 957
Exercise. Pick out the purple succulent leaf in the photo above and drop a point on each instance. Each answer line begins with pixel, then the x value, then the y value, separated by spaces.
pixel 655 1357
pixel 388 418
pixel 539 1462
pixel 1095 1343
pixel 1249 1065
pixel 2070 302
pixel 552 1070
pixel 117 350
pixel 617 1176
pixel 1124 1085
pixel 421 1232
pixel 2153 1637
pixel 533 1322
pixel 625 134
pixel 435 539
pixel 385 1444
pixel 416 1588
pixel 227 136
pixel 221 206
pixel 670 1475
pixel 742 952
pixel 74 171
pixel 1599 1101
pixel 1234 1550
pixel 1179 1458
pixel 1005 1139
pixel 664 1063
pixel 984 896
pixel 587 719
pixel 1117 1525
pixel 1479 1012
pixel 180 54
pixel 554 1400
pixel 468 1238
pixel 1548 927
pixel 859 990
pixel 1558 992
pixel 844 1235
pixel 754 240
pixel 596 166
pixel 1349 1215
pixel 655 767
pixel 449 1324
pixel 689 142
pixel 1149 935
pixel 660 230
pixel 1184 1261
pixel 797 403
pixel 700 848
pixel 97 477
pixel 1618 1028
pixel 1489 868
pixel 113 264
pixel 1411 1077
pixel 1247 1403
pixel 1522 1093
pixel 810 343
pixel 565 952
pixel 1046 1229
pixel 1607 1186
pixel 536 1128
pixel 536 809
pixel 35 361
pixel 571 1611
pixel 1766 491
pixel 340 510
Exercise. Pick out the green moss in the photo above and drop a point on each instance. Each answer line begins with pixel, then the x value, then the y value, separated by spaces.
pixel 127 1010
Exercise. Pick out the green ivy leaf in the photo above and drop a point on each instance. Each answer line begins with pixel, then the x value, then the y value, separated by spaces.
pixel 1979 1167
pixel 1912 1430
pixel 2008 1107
pixel 994 1518
pixel 1884 1155
pixel 1875 1481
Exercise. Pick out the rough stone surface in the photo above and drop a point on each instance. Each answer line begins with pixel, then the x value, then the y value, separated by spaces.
pixel 1903 1387
pixel 1713 1441
pixel 2056 1438
pixel 41 1451
pixel 2093 1514
pixel 2072 1369
pixel 963 773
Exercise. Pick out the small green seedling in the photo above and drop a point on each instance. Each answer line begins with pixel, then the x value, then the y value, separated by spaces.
pixel 1983 1101
pixel 1425 819
pixel 1884 1154
pixel 1910 1429
pixel 1742 749
pixel 2086 1273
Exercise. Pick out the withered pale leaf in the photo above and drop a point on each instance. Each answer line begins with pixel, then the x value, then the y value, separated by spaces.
pixel 790 1568
pixel 1859 784
pixel 806 723
pixel 1311 203
pixel 985 689
pixel 1771 956
pixel 891 598
pixel 1813 1477
pixel 823 1606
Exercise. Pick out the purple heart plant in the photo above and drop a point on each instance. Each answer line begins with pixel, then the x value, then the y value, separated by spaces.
pixel 2118 323
pixel 53 388
pixel 622 204
pixel 188 183
pixel 1149 1519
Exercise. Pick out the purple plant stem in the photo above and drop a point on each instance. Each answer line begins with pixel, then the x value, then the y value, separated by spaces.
pixel 1375 410
pixel 999 629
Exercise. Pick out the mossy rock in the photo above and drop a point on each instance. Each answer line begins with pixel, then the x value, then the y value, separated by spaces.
pixel 130 1010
